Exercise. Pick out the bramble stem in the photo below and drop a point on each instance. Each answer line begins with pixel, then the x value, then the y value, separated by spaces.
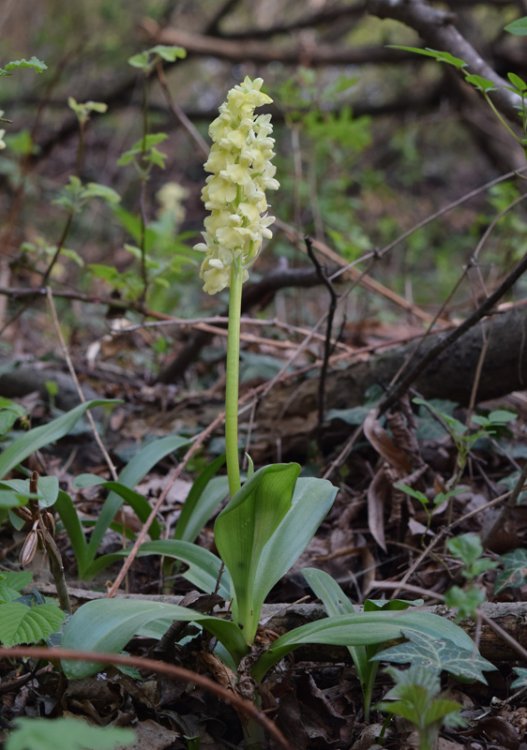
pixel 232 378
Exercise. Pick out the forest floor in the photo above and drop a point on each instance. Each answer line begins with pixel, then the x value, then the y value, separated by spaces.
pixel 377 542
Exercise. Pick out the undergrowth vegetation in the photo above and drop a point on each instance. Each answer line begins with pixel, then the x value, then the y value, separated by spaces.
pixel 174 530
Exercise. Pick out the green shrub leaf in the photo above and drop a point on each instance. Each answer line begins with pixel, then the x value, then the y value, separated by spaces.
pixel 66 734
pixel 22 624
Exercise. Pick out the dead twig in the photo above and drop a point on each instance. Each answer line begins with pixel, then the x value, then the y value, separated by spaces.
pixel 170 670
pixel 329 327
pixel 73 374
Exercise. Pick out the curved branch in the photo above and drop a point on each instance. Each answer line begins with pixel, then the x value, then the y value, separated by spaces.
pixel 262 52
pixel 436 28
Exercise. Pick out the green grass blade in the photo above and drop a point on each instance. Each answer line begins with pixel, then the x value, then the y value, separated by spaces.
pixel 204 569
pixel 48 433
pixel 70 519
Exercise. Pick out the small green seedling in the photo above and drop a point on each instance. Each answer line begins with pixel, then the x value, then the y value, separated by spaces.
pixel 417 698
pixel 468 549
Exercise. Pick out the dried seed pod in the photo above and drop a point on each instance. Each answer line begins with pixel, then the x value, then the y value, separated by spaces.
pixel 29 548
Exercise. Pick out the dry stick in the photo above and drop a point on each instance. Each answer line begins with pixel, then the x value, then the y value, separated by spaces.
pixel 452 337
pixel 199 440
pixel 178 113
pixel 170 670
pixel 329 326
pixel 73 374
pixel 513 643
pixel 362 277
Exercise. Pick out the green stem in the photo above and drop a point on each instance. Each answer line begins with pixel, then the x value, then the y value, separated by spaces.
pixel 232 378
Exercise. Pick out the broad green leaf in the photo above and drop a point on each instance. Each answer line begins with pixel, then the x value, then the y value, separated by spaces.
pixel 311 502
pixel 518 27
pixel 22 624
pixel 329 592
pixel 205 495
pixel 82 481
pixel 148 456
pixel 10 412
pixel 10 499
pixel 17 579
pixel 38 437
pixel 108 624
pixel 336 602
pixel 204 569
pixel 11 584
pixel 67 733
pixel 439 56
pixel 439 655
pixel 362 629
pixel 245 526
pixel 514 573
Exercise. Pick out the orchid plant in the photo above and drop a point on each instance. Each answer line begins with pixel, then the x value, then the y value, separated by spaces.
pixel 270 519
pixel 234 193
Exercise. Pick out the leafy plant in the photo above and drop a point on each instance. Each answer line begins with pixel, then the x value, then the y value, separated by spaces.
pixel 272 516
pixel 463 438
pixel 484 85
pixel 416 697
pixel 436 656
pixel 38 437
pixel 25 618
pixel 468 549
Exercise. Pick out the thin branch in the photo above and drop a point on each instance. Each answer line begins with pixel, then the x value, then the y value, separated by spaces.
pixel 329 327
pixel 262 52
pixel 73 374
pixel 170 670
pixel 436 28
pixel 484 309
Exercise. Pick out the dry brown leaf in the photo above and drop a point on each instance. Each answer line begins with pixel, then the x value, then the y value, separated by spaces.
pixel 384 445
pixel 379 496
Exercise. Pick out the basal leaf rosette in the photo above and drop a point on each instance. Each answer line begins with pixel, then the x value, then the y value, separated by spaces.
pixel 240 172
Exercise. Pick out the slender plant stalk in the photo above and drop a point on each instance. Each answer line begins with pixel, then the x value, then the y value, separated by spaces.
pixel 232 378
